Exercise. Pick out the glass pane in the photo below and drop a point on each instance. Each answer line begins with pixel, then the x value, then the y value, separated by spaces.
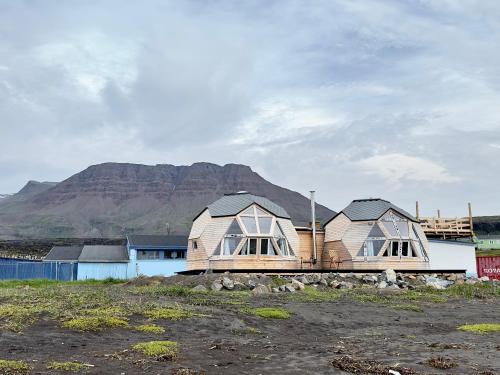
pixel 252 247
pixel 270 248
pixel 234 228
pixel 395 247
pixel 277 230
pixel 244 249
pixel 264 244
pixel 290 251
pixel 249 223
pixel 265 224
pixel 218 248
pixel 148 255
pixel 261 212
pixel 376 232
pixel 403 228
pixel 389 226
pixel 282 246
pixel 230 244
pixel 248 211
pixel 414 251
pixel 404 249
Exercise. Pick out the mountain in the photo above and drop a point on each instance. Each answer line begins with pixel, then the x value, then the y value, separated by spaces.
pixel 112 199
pixel 486 225
pixel 3 196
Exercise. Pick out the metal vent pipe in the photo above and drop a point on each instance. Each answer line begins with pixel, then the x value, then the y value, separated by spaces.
pixel 313 226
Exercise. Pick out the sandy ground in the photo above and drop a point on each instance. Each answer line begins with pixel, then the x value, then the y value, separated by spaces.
pixel 307 343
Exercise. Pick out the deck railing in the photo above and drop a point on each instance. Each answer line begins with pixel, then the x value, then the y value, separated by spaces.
pixel 447 227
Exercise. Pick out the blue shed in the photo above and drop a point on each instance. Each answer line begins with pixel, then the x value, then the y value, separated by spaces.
pixel 103 261
pixel 156 255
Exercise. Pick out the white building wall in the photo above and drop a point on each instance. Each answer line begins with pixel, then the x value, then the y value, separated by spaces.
pixel 447 255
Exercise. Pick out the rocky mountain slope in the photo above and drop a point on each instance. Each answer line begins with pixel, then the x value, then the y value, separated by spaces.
pixel 112 199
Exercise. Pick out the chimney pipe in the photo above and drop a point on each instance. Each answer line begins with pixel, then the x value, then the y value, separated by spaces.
pixel 313 225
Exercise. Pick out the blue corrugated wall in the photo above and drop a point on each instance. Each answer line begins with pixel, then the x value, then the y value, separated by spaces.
pixel 23 270
pixel 101 271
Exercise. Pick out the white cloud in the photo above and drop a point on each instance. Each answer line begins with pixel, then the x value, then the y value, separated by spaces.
pixel 399 168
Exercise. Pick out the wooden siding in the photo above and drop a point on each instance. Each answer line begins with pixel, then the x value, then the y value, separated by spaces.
pixel 196 259
pixel 355 235
pixel 290 233
pixel 306 248
pixel 213 233
pixel 336 228
pixel 383 264
pixel 199 225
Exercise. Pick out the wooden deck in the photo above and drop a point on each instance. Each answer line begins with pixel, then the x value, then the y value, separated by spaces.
pixel 441 227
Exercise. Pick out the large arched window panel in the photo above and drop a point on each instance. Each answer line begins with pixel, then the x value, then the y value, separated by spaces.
pixel 256 221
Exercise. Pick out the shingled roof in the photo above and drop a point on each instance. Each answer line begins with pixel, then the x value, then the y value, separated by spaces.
pixel 147 240
pixel 233 204
pixel 103 254
pixel 371 209
pixel 64 254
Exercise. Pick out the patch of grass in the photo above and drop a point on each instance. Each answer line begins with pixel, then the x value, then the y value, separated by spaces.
pixel 471 291
pixel 171 291
pixel 313 295
pixel 169 313
pixel 13 367
pixel 108 311
pixel 267 312
pixel 150 328
pixel 95 323
pixel 158 349
pixel 481 328
pixel 17 317
pixel 441 363
pixel 66 366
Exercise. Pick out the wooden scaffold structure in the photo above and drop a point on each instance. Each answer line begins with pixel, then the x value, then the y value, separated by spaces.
pixel 447 227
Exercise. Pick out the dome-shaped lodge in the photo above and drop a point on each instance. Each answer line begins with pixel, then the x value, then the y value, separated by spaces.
pixel 243 231
pixel 375 234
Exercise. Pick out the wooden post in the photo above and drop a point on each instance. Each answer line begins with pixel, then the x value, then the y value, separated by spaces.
pixel 417 210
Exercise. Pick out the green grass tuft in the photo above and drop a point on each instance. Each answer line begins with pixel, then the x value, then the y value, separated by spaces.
pixel 95 323
pixel 267 312
pixel 66 366
pixel 481 328
pixel 158 349
pixel 13 367
pixel 169 313
pixel 150 328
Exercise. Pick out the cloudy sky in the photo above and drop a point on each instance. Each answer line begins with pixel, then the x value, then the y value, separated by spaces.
pixel 395 99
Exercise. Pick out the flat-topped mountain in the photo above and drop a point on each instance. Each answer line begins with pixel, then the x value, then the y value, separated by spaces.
pixel 111 199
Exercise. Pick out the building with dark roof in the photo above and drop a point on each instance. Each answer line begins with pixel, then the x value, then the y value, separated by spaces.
pixel 64 254
pixel 375 234
pixel 152 255
pixel 243 231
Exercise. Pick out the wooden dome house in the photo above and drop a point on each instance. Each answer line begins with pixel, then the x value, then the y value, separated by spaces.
pixel 243 231
pixel 375 234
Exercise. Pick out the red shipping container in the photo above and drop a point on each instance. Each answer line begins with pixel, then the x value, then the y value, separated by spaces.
pixel 488 266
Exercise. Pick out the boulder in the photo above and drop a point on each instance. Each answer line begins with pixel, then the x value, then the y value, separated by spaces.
pixel 275 290
pixel 216 286
pixel 314 278
pixel 200 288
pixel 227 283
pixel 389 276
pixel 251 283
pixel 239 286
pixel 436 283
pixel 382 284
pixel 484 278
pixel 471 281
pixel 289 288
pixel 260 289
pixel 323 282
pixel 304 280
pixel 334 284
pixel 297 285
pixel 281 288
pixel 345 285
pixel 411 277
pixel 452 277
pixel 370 279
